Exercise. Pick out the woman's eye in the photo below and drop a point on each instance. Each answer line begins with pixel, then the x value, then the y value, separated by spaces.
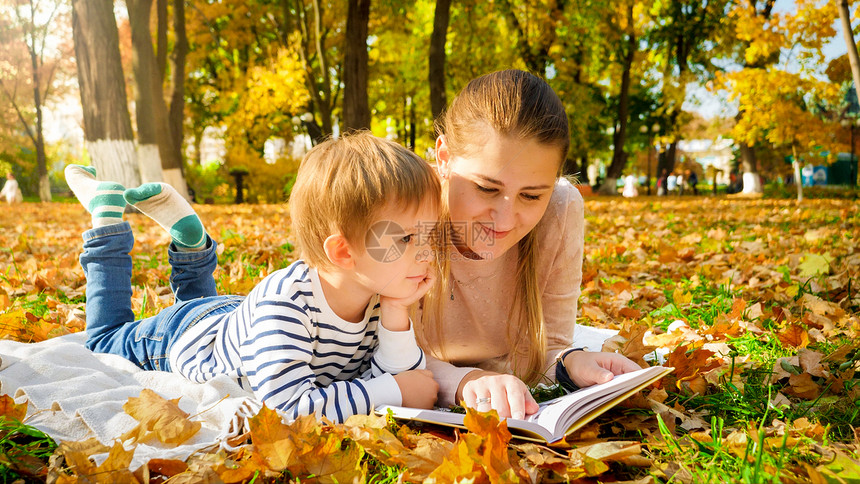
pixel 529 197
pixel 407 238
pixel 486 189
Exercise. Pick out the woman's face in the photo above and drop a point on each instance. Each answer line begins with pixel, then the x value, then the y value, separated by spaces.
pixel 497 192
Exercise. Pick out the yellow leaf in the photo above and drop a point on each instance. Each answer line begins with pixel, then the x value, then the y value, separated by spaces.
pixel 681 298
pixel 162 418
pixel 113 470
pixel 815 264
pixel 8 408
pixel 272 439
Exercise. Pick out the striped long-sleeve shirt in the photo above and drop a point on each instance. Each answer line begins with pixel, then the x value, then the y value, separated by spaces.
pixel 286 344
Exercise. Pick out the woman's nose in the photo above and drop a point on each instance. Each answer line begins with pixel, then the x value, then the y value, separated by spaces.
pixel 503 214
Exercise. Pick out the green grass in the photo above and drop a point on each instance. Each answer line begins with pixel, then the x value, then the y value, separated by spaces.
pixel 24 452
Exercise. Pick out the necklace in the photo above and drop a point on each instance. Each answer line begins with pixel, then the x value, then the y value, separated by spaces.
pixel 455 281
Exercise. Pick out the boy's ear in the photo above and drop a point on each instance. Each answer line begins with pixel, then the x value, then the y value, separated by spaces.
pixel 443 158
pixel 338 251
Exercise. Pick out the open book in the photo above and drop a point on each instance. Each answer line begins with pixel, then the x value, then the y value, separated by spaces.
pixel 555 418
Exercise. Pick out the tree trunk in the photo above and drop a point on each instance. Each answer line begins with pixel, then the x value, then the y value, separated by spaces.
pixel 153 120
pixel 619 157
pixel 38 135
pixel 325 101
pixel 143 63
pixel 671 157
pixel 356 112
pixel 749 165
pixel 848 33
pixel 161 36
pixel 798 181
pixel 436 58
pixel 412 124
pixel 107 124
pixel 176 115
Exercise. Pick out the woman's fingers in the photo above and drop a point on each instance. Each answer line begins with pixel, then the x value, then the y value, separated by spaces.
pixel 499 396
pixel 506 394
pixel 589 368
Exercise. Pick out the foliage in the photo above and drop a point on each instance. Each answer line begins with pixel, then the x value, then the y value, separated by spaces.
pixel 754 302
pixel 780 93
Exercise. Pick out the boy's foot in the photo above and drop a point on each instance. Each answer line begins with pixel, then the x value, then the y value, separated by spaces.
pixel 103 199
pixel 162 203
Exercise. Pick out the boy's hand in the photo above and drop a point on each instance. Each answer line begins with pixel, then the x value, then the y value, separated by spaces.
pixel 394 312
pixel 588 368
pixel 507 394
pixel 418 388
pixel 420 291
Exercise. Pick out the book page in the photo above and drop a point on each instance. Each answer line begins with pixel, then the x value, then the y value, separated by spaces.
pixel 554 418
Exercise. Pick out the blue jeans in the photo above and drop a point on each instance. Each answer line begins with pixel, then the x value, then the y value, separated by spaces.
pixel 111 326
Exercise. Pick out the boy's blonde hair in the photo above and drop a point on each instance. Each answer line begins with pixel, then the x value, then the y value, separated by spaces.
pixel 343 183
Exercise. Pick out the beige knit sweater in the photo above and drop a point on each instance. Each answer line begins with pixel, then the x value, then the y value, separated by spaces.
pixel 475 332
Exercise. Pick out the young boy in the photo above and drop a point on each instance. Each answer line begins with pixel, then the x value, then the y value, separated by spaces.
pixel 330 334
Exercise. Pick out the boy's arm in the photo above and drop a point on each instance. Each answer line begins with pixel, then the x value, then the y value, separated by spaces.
pixel 276 360
pixel 397 350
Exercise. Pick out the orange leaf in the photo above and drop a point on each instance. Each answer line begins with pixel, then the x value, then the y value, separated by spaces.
pixel 794 336
pixel 335 460
pixel 737 311
pixel 493 453
pixel 161 418
pixel 631 313
pixel 428 452
pixel 803 386
pixel 457 467
pixel 271 438
pixel 687 367
pixel 166 467
pixel 8 408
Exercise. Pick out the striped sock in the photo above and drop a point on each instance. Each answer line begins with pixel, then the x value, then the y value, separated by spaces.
pixel 162 203
pixel 103 199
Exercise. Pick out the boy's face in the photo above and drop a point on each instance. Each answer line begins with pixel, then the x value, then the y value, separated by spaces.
pixel 398 251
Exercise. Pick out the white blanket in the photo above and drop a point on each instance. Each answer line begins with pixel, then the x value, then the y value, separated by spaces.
pixel 74 394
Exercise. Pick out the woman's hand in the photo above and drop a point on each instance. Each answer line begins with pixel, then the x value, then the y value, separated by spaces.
pixel 588 368
pixel 506 394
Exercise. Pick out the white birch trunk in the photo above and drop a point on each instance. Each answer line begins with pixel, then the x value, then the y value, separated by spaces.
pixel 609 186
pixel 174 178
pixel 752 183
pixel 149 163
pixel 115 160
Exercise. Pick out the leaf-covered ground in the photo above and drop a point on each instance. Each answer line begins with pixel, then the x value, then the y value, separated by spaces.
pixel 754 302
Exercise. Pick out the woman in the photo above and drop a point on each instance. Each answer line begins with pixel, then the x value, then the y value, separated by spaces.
pixel 504 309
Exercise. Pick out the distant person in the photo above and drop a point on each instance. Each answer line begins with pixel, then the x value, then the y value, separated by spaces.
pixel 11 190
pixel 680 182
pixel 661 184
pixel 735 183
pixel 671 183
pixel 330 335
pixel 630 190
pixel 693 180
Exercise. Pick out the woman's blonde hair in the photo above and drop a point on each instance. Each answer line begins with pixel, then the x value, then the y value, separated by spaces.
pixel 343 183
pixel 518 105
